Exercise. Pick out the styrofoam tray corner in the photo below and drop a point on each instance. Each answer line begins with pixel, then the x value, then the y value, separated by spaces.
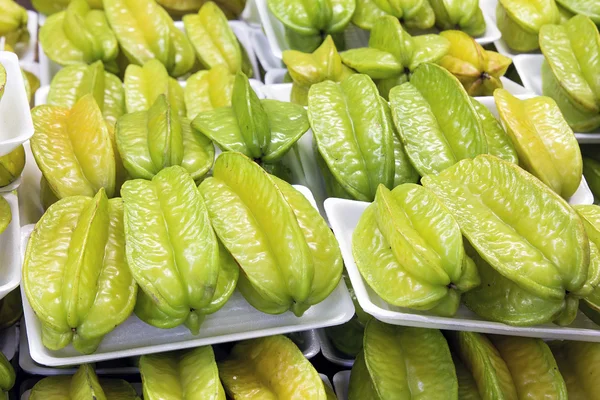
pixel 332 354
pixel 341 383
pixel 307 341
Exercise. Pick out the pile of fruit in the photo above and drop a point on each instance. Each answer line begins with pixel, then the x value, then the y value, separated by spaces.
pixel 167 180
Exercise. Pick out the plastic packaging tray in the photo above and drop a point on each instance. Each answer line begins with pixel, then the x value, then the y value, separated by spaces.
pixel 250 14
pixel 332 354
pixel 529 67
pixel 341 382
pixel 307 341
pixel 237 320
pixel 9 341
pixel 261 47
pixel 49 68
pixel 345 214
pixel 10 250
pixel 16 126
pixel 354 36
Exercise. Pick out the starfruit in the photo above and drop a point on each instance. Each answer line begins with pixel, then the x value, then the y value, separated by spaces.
pixel 78 35
pixel 7 375
pixel 532 367
pixel 32 84
pixel 5 214
pixel 145 31
pixel 207 90
pixel 402 362
pixel 49 7
pixel 149 141
pixel 436 120
pixel 263 130
pixel 187 374
pixel 231 8
pixel 393 54
pixel 288 255
pixel 307 69
pixel 589 8
pixel 542 248
pixel 308 22
pixel 570 70
pixel 74 149
pixel 353 130
pixel 11 309
pixel 459 14
pixel 409 250
pixel 270 368
pixel 75 274
pixel 214 41
pixel 590 215
pixel 11 166
pixel 545 143
pixel 75 81
pixel 84 385
pixel 13 23
pixel 173 252
pixel 591 172
pixel 498 142
pixel 412 13
pixel 520 21
pixel 578 364
pixel 478 70
pixel 484 365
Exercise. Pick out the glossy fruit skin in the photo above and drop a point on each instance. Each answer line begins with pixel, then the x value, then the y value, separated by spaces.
pixel 485 183
pixel 308 69
pixel 402 362
pixel 570 70
pixel 578 363
pixel 462 14
pixel 412 13
pixel 544 141
pixel 187 275
pixel 7 375
pixel 289 256
pixel 13 23
pixel 78 35
pixel 499 144
pixel 190 374
pixel 270 368
pixel 11 166
pixel 590 9
pixel 590 215
pixel 83 288
pixel 208 90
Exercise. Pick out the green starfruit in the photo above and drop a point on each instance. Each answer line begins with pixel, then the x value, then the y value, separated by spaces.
pixel 231 8
pixel 5 214
pixel 436 120
pixel 578 364
pixel 145 31
pixel 84 385
pixel 393 54
pixel 545 143
pixel 13 23
pixel 11 309
pixel 7 375
pixel 261 129
pixel 11 166
pixel 208 90
pixel 173 252
pixel 187 374
pixel 149 141
pixel 75 274
pixel 402 362
pixel 74 149
pixel 459 14
pixel 355 137
pixel 49 7
pixel 78 35
pixel 588 8
pixel 412 13
pixel 270 368
pixel 409 250
pixel 499 144
pixel 288 254
pixel 520 21
pixel 570 70
pixel 542 248
pixel 307 69
pixel 75 81
pixel 591 171
pixel 478 70
pixel 590 215
pixel 214 41
pixel 143 86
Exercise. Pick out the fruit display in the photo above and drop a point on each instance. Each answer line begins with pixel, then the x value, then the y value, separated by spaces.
pixel 208 90
pixel 84 385
pixel 13 23
pixel 414 14
pixel 11 166
pixel 571 70
pixel 462 14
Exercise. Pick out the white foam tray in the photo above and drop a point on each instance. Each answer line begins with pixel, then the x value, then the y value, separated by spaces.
pixel 49 68
pixel 529 67
pixel 332 354
pixel 344 215
pixel 341 383
pixel 16 125
pixel 308 342
pixel 10 250
pixel 9 341
pixel 354 36
pixel 237 320
pixel 250 14
pixel 261 47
